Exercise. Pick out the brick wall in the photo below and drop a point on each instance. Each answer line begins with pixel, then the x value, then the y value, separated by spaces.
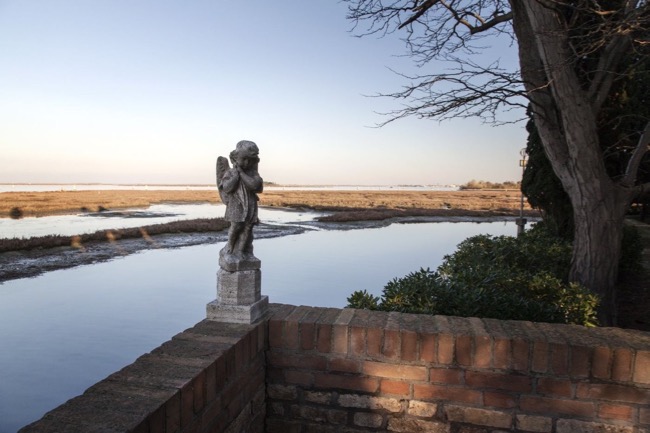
pixel 209 378
pixel 332 370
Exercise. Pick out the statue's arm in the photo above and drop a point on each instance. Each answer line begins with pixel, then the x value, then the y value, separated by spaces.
pixel 253 182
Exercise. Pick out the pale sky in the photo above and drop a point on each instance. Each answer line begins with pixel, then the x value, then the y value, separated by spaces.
pixel 152 91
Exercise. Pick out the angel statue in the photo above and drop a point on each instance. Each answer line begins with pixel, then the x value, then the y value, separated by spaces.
pixel 238 187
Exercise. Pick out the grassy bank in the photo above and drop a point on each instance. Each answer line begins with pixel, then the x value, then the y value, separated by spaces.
pixel 69 202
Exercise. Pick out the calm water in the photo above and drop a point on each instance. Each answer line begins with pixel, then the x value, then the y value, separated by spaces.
pixel 65 330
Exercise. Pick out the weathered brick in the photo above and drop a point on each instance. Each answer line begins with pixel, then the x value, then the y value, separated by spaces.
pixel 368 419
pixel 520 355
pixel 307 336
pixel 561 406
pixel 281 392
pixel 353 383
pixel 340 339
pixel 559 359
pixel 187 405
pixel 644 415
pixel 642 367
pixel 453 376
pixel 538 424
pixel 438 392
pixel 576 426
pixel 554 387
pixel 275 332
pixel 396 387
pixel 409 346
pixel 357 341
pixel 410 425
pixel 622 365
pixel 501 400
pixel 505 382
pixel 427 347
pixel 616 411
pixel 337 417
pixel 344 365
pixel 294 377
pixel 600 364
pixel 422 409
pixel 446 349
pixel 482 417
pixel 320 397
pixel 463 350
pixel 374 341
pixel 282 359
pixel 502 358
pixel 173 413
pixel 482 351
pixel 394 371
pixel 614 393
pixel 391 346
pixel 290 335
pixel 579 366
pixel 540 357
pixel 323 337
pixel 369 402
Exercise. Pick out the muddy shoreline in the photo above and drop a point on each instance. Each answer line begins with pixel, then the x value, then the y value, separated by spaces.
pixel 34 262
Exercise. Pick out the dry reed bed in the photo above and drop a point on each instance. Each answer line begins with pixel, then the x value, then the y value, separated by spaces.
pixel 64 202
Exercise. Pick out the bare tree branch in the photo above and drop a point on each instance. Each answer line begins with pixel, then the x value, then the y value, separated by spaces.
pixel 629 178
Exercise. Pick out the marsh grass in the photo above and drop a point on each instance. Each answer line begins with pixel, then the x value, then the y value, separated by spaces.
pixel 145 232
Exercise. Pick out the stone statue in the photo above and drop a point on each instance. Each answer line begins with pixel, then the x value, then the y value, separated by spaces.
pixel 238 187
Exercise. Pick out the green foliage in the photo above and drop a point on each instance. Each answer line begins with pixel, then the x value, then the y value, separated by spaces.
pixel 500 277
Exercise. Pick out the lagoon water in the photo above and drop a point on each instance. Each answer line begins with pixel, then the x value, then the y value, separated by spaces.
pixel 65 330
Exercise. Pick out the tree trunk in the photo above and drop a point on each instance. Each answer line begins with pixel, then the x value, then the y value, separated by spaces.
pixel 568 131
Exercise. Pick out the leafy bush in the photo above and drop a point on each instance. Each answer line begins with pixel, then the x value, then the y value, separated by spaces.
pixel 500 277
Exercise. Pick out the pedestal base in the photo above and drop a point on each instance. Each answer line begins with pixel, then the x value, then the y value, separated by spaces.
pixel 237 313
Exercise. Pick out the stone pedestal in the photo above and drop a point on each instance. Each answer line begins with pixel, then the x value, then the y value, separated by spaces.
pixel 239 283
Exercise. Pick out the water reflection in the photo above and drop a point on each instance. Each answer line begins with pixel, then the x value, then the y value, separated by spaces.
pixel 68 329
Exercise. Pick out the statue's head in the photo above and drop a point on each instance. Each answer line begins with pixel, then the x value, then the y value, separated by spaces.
pixel 246 153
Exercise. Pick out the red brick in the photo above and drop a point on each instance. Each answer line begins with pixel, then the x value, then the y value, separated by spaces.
pixel 323 338
pixel 559 359
pixel 505 382
pixel 547 406
pixel 622 365
pixel 312 362
pixel 579 366
pixel 600 362
pixel 446 393
pixel 220 370
pixel 344 365
pixel 446 375
pixel 644 415
pixel 394 371
pixel 482 351
pixel 502 358
pixel 198 387
pixel 187 405
pixel 616 411
pixel 540 357
pixel 357 341
pixel 374 341
pixel 353 383
pixel 275 333
pixel 554 387
pixel 615 393
pixel 499 399
pixel 464 350
pixel 211 382
pixel 642 367
pixel 307 334
pixel 520 355
pixel 409 346
pixel 340 339
pixel 173 413
pixel 391 347
pixel 427 347
pixel 445 349
pixel 294 377
pixel 387 386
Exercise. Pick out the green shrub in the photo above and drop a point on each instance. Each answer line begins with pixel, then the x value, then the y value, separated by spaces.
pixel 501 277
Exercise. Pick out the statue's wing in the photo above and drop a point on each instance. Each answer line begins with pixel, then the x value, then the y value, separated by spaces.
pixel 222 167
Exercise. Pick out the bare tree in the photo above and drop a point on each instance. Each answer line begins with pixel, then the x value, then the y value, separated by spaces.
pixel 571 54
